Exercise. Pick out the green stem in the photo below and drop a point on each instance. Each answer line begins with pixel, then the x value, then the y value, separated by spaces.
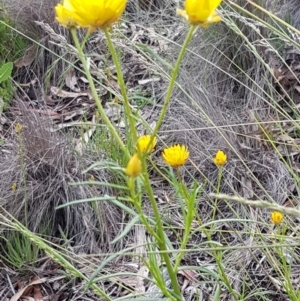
pixel 122 85
pixel 220 173
pixel 22 162
pixel 188 219
pixel 135 198
pixel 221 272
pixel 160 232
pixel 159 171
pixel 95 95
pixel 159 226
pixel 217 254
pixel 172 82
pixel 85 40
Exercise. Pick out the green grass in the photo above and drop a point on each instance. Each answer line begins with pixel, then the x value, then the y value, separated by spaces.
pixel 12 44
pixel 12 47
pixel 18 251
pixel 7 90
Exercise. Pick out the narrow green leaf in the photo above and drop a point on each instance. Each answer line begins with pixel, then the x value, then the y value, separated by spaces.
pixel 95 199
pixel 127 228
pixel 217 293
pixel 5 71
pixel 154 54
pixel 103 264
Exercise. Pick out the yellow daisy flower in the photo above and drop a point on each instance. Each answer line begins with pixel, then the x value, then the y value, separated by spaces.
pixel 200 12
pixel 176 155
pixel 134 166
pixel 220 159
pixel 276 217
pixel 143 143
pixel 91 14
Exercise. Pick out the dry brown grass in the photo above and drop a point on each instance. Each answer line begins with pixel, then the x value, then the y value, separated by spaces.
pixel 221 96
pixel 43 166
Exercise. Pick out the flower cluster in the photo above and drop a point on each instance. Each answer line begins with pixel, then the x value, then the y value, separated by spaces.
pixel 144 144
pixel 93 14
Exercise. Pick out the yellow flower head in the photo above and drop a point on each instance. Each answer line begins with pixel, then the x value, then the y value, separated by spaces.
pixel 276 217
pixel 19 128
pixel 143 143
pixel 220 159
pixel 175 155
pixel 14 187
pixel 91 14
pixel 134 166
pixel 200 12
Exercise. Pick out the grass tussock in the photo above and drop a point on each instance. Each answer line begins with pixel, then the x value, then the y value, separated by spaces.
pixel 38 168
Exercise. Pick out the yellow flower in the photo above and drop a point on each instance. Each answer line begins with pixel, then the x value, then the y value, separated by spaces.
pixel 175 155
pixel 91 14
pixel 143 143
pixel 19 128
pixel 200 12
pixel 134 166
pixel 14 187
pixel 276 217
pixel 220 159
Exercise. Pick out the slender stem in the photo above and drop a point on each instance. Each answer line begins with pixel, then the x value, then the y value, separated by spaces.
pixel 122 85
pixel 159 171
pixel 23 175
pixel 106 120
pixel 135 198
pixel 85 39
pixel 220 173
pixel 217 254
pixel 172 82
pixel 222 272
pixel 160 232
pixel 270 15
pixel 188 219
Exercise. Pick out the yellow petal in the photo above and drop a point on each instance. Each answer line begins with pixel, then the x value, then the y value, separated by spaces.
pixel 90 13
pixel 143 143
pixel 64 16
pixel 201 12
pixel 175 155
pixel 214 18
pixel 220 158
pixel 276 217
pixel 182 13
